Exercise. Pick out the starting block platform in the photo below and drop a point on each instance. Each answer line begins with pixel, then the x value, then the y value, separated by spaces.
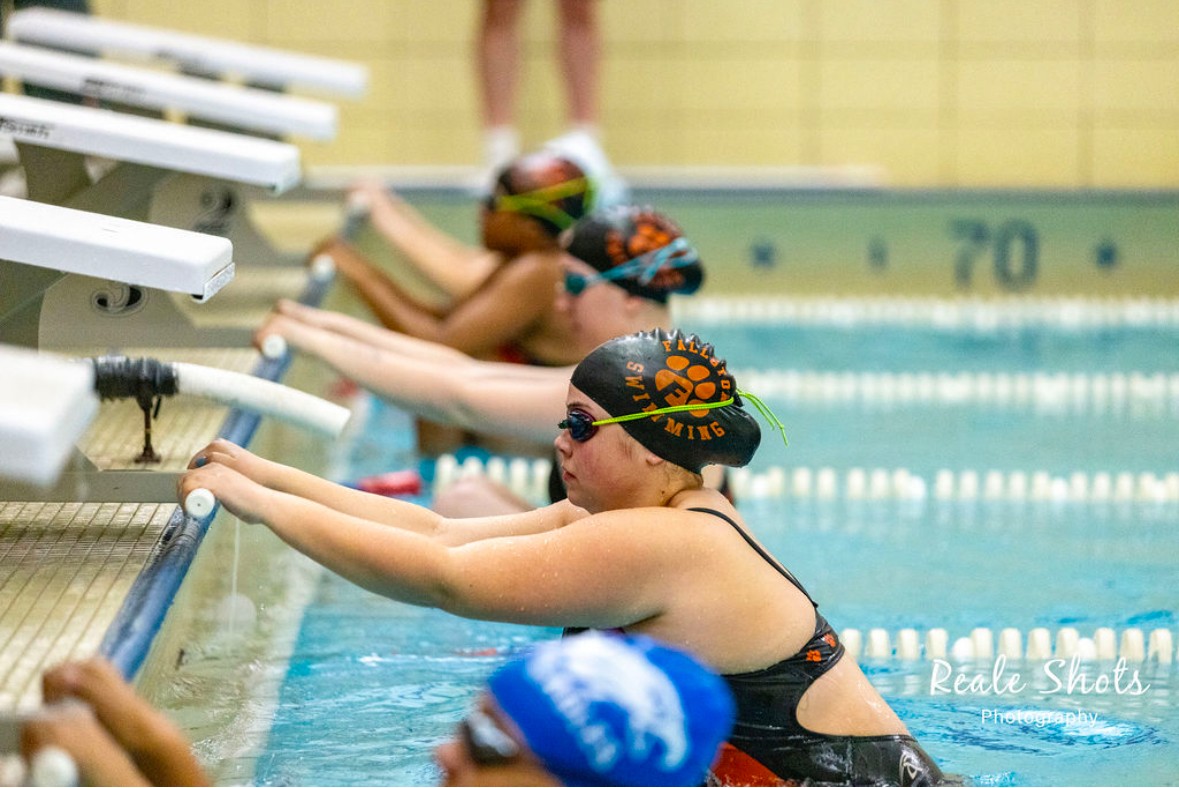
pixel 207 56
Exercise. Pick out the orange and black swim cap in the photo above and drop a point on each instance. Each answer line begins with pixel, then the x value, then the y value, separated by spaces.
pixel 660 370
pixel 638 249
pixel 551 189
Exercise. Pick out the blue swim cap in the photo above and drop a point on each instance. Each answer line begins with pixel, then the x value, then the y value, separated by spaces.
pixel 601 709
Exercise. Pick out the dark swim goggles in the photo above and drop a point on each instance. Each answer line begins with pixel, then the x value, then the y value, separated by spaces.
pixel 486 742
pixel 582 426
pixel 677 254
pixel 539 202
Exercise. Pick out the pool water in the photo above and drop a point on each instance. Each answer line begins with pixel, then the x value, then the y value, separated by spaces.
pixel 373 686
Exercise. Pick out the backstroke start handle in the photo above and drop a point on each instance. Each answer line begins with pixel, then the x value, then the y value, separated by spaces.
pixel 199 503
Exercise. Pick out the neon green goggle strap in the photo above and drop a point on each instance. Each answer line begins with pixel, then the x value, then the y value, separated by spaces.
pixel 669 409
pixel 766 414
pixel 762 408
pixel 539 202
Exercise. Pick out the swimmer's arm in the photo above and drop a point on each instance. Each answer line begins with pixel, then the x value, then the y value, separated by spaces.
pixel 498 313
pixel 361 331
pixel 606 573
pixel 295 482
pixel 454 267
pixel 401 563
pixel 391 305
pixel 511 400
pixel 606 570
pixel 158 747
pixel 247 471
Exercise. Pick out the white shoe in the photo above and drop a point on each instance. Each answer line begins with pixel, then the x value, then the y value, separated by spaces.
pixel 581 147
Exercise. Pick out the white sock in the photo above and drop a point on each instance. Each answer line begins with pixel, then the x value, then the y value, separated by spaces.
pixel 586 130
pixel 501 144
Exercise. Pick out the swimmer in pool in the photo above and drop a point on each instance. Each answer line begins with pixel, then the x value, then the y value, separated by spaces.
pixel 623 265
pixel 588 710
pixel 640 545
pixel 502 295
pixel 593 710
pixel 497 301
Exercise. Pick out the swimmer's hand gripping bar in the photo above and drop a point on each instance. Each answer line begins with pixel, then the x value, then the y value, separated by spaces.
pixel 48 766
pixel 199 503
pixel 321 269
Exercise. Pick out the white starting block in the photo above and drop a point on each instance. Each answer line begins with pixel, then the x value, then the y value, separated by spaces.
pixel 72 277
pixel 45 405
pixel 34 420
pixel 211 57
pixel 179 176
pixel 136 253
pixel 155 143
pixel 230 105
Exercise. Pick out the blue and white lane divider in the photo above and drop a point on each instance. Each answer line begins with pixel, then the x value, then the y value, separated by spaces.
pixel 1124 395
pixel 529 479
pixel 1133 645
pixel 967 485
pixel 961 315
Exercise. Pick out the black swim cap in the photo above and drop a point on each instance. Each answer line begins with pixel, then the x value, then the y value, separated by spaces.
pixel 630 235
pixel 659 369
pixel 551 189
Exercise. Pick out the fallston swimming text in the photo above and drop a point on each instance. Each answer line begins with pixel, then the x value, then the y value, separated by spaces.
pixel 1057 676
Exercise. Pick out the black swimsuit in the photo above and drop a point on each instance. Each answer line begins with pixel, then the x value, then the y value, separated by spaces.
pixel 768 746
pixel 768 734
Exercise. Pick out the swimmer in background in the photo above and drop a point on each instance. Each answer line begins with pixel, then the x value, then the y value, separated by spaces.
pixel 498 301
pixel 623 265
pixel 640 545
pixel 593 710
pixel 587 710
pixel 500 297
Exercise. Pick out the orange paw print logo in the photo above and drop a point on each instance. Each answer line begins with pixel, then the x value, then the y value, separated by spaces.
pixel 648 236
pixel 651 232
pixel 683 383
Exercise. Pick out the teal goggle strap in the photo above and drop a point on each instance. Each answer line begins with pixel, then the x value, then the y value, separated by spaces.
pixel 677 254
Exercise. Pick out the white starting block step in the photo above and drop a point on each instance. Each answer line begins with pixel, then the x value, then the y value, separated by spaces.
pixel 156 143
pixel 108 247
pixel 46 404
pixel 231 105
pixel 197 54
